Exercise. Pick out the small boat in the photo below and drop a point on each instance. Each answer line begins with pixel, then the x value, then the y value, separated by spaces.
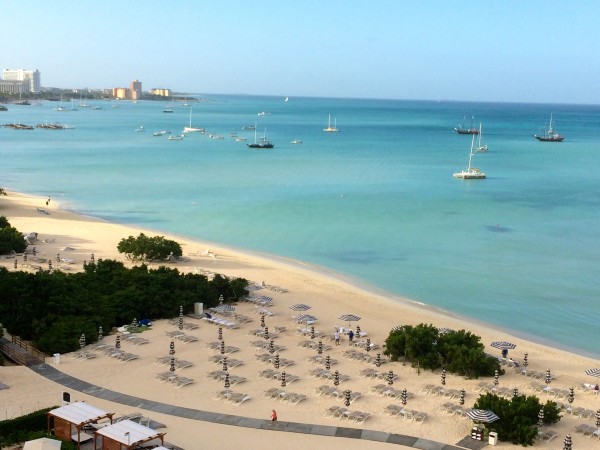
pixel 3 108
pixel 462 130
pixel 159 133
pixel 550 134
pixel 263 143
pixel 480 148
pixel 190 128
pixel 22 103
pixel 331 129
pixel 286 99
pixel 141 129
pixel 240 139
pixel 249 127
pixel 296 141
pixel 176 137
pixel 168 110
pixel 264 113
pixel 96 108
pixel 470 173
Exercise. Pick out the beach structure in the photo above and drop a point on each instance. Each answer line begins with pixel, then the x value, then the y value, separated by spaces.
pixel 127 435
pixel 68 421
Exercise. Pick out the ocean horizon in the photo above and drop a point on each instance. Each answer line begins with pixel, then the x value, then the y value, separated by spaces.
pixel 375 203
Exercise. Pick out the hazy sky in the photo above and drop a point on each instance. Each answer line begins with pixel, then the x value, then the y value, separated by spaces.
pixel 504 50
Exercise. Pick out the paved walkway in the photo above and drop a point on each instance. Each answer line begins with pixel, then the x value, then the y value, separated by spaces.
pixel 73 383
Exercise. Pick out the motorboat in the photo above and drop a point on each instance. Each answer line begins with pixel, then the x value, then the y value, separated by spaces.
pixel 175 137
pixel 296 141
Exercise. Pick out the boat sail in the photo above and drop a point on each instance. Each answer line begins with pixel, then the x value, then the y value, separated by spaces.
pixel 331 129
pixel 480 148
pixel 550 135
pixel 190 128
pixel 462 130
pixel 470 173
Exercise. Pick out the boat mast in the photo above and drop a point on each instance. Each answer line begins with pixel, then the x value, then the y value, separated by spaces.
pixel 471 153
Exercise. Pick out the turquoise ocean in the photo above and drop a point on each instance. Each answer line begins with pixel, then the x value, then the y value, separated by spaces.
pixel 375 203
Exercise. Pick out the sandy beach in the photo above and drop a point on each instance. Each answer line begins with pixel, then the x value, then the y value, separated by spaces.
pixel 288 283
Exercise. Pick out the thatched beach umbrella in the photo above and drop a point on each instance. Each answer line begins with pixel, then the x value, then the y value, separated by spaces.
pixel 272 346
pixel 358 330
pixel 515 392
pixel 368 346
pixel 82 341
pixel 134 324
pixel 100 333
pixel 378 360
pixel 283 383
pixel 220 334
pixel 568 442
pixel 598 418
pixel 496 378
pixel 172 368
pixel 225 363
pixel 226 384
pixel 118 342
pixel 443 377
pixel 320 347
pixel 390 378
pixel 222 347
pixel 327 362
pixel 571 396
pixel 266 333
pixel 461 399
pixel 312 332
pixel 276 361
pixel 172 348
pixel 548 376
pixel 525 361
pixel 347 396
pixel 262 320
pixel 404 396
pixel 336 378
pixel 541 418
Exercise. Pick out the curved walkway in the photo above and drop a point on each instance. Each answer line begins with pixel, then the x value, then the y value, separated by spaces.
pixel 59 377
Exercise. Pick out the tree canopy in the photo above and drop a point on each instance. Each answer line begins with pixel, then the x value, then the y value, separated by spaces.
pixel 145 248
pixel 459 352
pixel 11 239
pixel 518 416
pixel 53 309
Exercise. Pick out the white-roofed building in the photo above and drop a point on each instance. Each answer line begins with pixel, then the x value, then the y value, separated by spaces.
pixel 68 421
pixel 126 435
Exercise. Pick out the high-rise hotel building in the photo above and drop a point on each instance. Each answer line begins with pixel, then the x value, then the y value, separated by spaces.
pixel 20 81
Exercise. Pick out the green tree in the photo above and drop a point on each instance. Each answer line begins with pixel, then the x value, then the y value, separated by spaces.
pixel 145 248
pixel 11 240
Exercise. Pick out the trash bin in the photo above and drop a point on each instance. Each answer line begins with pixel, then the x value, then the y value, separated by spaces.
pixel 493 438
pixel 199 309
pixel 57 358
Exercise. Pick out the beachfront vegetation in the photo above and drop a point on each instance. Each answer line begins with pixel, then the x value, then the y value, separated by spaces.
pixel 146 248
pixel 459 352
pixel 2 191
pixel 11 239
pixel 518 416
pixel 53 309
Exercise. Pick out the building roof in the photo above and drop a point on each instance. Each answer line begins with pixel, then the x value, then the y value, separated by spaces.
pixel 137 433
pixel 79 413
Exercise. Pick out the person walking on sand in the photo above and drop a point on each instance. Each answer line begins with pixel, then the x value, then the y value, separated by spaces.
pixel 274 416
pixel 336 336
pixel 350 337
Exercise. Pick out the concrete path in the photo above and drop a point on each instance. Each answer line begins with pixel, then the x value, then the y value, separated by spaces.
pixel 73 383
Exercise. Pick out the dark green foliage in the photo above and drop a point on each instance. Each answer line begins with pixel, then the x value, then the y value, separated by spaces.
pixel 459 352
pixel 518 416
pixel 11 240
pixel 2 191
pixel 16 430
pixel 54 309
pixel 145 248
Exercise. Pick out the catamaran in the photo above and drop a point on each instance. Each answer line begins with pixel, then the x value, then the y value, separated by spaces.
pixel 471 173
pixel 331 129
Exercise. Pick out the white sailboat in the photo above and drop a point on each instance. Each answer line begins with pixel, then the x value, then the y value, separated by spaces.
pixel 470 173
pixel 190 128
pixel 481 148
pixel 331 129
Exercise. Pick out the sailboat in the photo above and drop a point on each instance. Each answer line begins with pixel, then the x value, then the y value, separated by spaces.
pixel 471 173
pixel 331 129
pixel 60 107
pixel 462 130
pixel 550 135
pixel 191 129
pixel 264 143
pixel 480 148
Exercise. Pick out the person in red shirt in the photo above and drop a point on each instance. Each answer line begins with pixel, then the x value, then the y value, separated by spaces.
pixel 274 416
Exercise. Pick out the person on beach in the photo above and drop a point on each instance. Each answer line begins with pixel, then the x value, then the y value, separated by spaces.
pixel 336 336
pixel 350 337
pixel 274 416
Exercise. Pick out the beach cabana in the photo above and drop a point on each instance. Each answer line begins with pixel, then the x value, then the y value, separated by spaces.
pixel 68 421
pixel 42 444
pixel 126 435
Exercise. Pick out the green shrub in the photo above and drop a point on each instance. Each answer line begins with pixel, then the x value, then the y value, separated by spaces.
pixel 144 248
pixel 11 239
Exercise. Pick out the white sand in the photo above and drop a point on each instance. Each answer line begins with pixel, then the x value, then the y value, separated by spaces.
pixel 329 297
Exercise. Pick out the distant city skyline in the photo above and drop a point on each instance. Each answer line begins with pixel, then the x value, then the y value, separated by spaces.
pixel 508 51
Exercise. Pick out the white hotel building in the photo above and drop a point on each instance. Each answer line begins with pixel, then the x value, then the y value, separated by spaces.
pixel 18 81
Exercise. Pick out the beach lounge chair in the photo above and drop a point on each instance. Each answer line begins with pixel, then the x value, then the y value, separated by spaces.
pixel 273 393
pixel 420 417
pixel 340 413
pixel 369 373
pixel 585 429
pixel 547 435
pixel 392 410
pixel 360 417
pixel 297 398
pixel 268 373
pixel 238 399
pixel 332 410
pixel 182 381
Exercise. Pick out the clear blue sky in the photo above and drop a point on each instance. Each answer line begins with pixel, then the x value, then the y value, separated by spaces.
pixel 507 50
